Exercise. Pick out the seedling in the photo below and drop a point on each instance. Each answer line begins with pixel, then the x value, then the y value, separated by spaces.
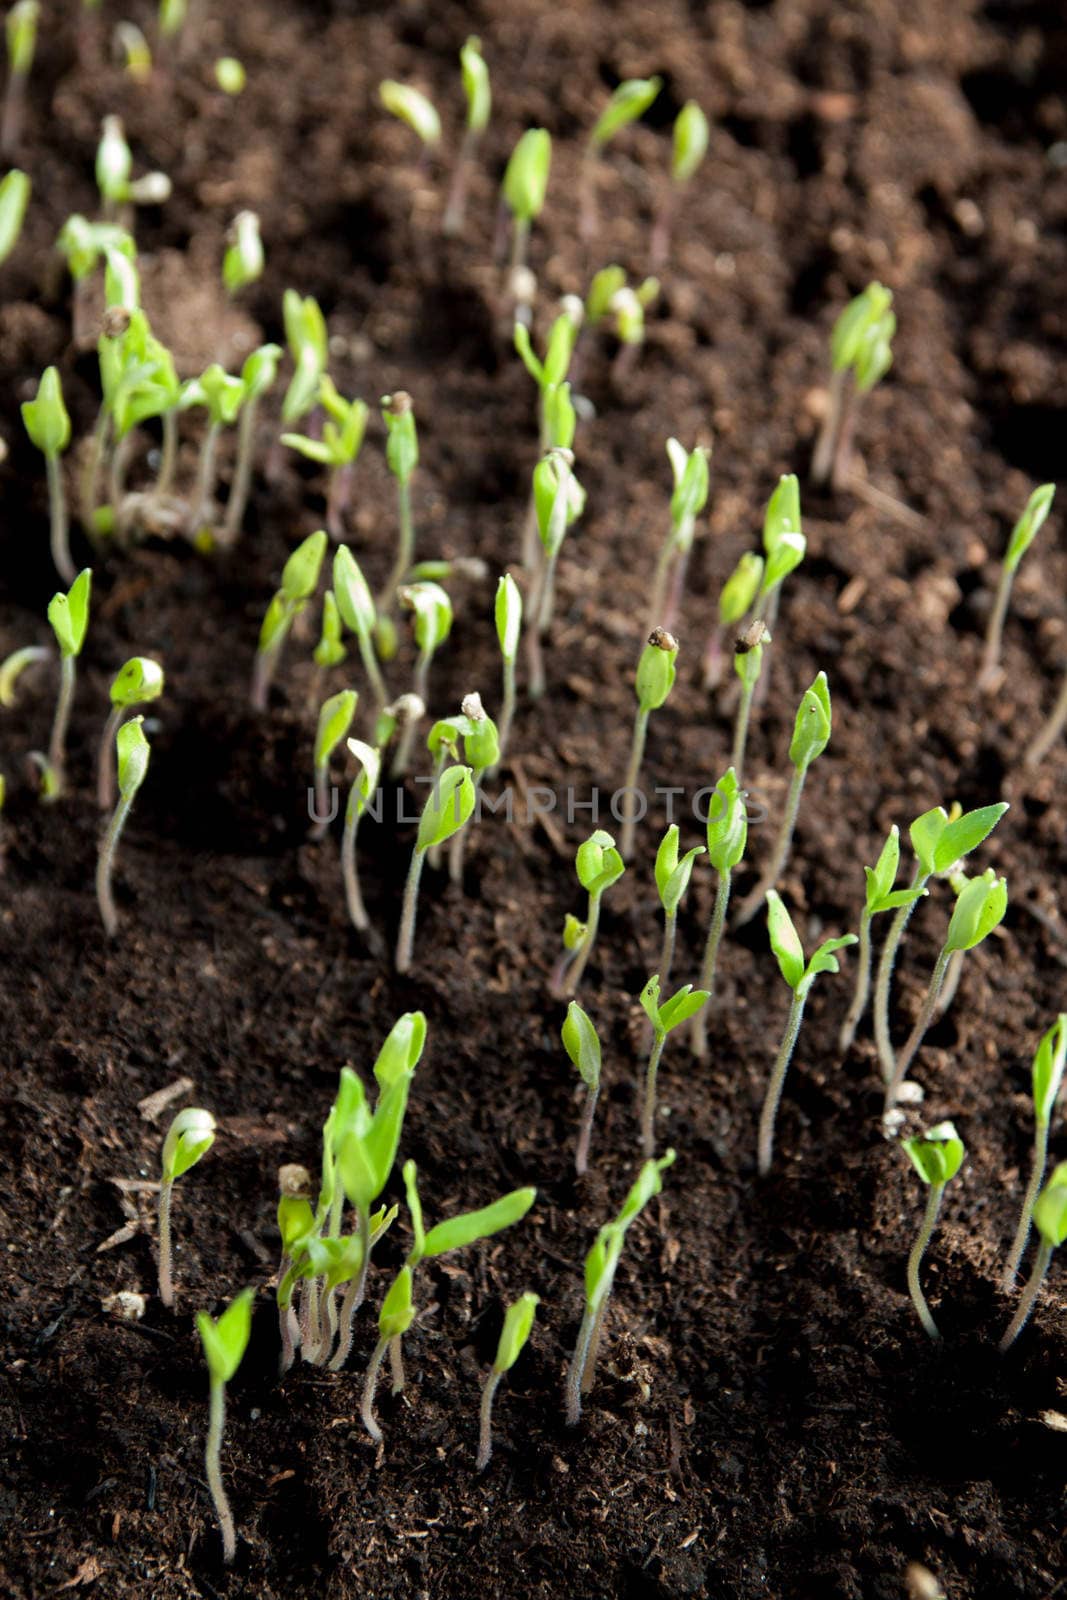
pixel 230 75
pixel 689 146
pixel 335 719
pixel 394 1319
pixel 1048 1068
pixel 244 260
pixel 14 198
pixel 431 623
pixel 330 650
pixel 628 102
pixel 735 601
pixel 223 396
pixel 600 1267
pixel 481 749
pixel 257 375
pixel 402 455
pixel 557 418
pixel 136 54
pixel 508 619
pixel 748 664
pixel 936 1157
pixel 789 953
pixel 653 682
pixel 308 341
pixel 628 308
pixel 518 1322
pixel 979 909
pixel 358 613
pixel 21 29
pixel 598 865
pixel 664 1019
pixel 190 1136
pixel 811 735
pixel 48 425
pixel 14 665
pixel 524 188
pixel 337 449
pixel 860 355
pixel 1023 535
pixel 172 15
pixel 137 683
pixel 132 751
pixel 114 174
pixel 300 579
pixel 558 499
pixel 1050 1220
pixel 672 880
pixel 582 1044
pixel 225 1343
pixel 410 106
pixel 479 104
pixel 784 546
pixel 296 1221
pixel 447 810
pixel 881 896
pixel 69 615
pixel 691 488
pixel 727 838
pixel 359 798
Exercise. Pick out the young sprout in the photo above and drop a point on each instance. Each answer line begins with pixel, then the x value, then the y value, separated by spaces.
pixel 223 397
pixel 600 1267
pixel 330 650
pixel 628 307
pixel 137 683
pixel 1023 535
pixel 225 1343
pixel 727 838
pixel 411 107
pixel 979 909
pixel 508 618
pixel 300 579
pixel 653 682
pixel 784 545
pixel 296 1222
pixel 447 810
pixel 811 735
pixel 402 455
pixel 479 104
pixel 190 1136
pixel 672 880
pixel 14 665
pixel 598 865
pixel 14 198
pixel 881 896
pixel 257 376
pixel 524 188
pixel 691 486
pixel 244 260
pixel 789 952
pixel 748 664
pixel 936 1157
pixel 939 843
pixel 481 748
pixel 558 499
pixel 1049 1062
pixel 21 29
pixel 557 418
pixel 860 344
pixel 358 613
pixel 628 102
pixel 432 623
pixel 518 1322
pixel 172 15
pixel 1050 1220
pixel 230 75
pixel 131 44
pixel 132 752
pixel 335 719
pixel 735 601
pixel 582 1043
pixel 689 146
pixel 359 797
pixel 69 615
pixel 337 449
pixel 114 167
pixel 308 341
pixel 682 1006
pixel 48 425
pixel 394 1319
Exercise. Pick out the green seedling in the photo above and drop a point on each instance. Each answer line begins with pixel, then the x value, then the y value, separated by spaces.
pixel 335 719
pixel 394 1319
pixel 784 546
pixel 14 665
pixel 136 54
pixel 137 683
pixel 860 355
pixel 448 809
pixel 979 909
pixel 114 174
pixel 481 750
pixel 558 500
pixel 69 615
pixel 691 487
pixel 628 102
pixel 672 880
pixel 557 418
pixel 360 796
pixel 689 146
pixel 359 615
pixel 582 1044
pixel 402 456
pixel 190 1136
pixel 680 1008
pixel 518 1323
pixel 222 396
pixel 139 381
pixel 330 650
pixel 653 682
pixel 507 615
pixel 735 601
pixel 21 31
pixel 1048 1068
pixel 172 16
pixel 940 843
pixel 479 100
pixel 244 260
pixel 811 735
pixel 48 425
pixel 300 579
pixel 936 1157
pixel 748 664
pixel 1023 535
pixel 296 1223
pixel 600 1267
pixel 1050 1220
pixel 132 752
pixel 230 75
pixel 257 375
pixel 627 307
pixel 727 837
pixel 225 1343
pixel 410 106
pixel 789 953
pixel 14 198
pixel 337 449
pixel 431 611
pixel 308 341
pixel 598 865
pixel 524 188
pixel 881 896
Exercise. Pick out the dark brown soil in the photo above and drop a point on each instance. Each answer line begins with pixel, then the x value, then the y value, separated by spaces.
pixel 768 1419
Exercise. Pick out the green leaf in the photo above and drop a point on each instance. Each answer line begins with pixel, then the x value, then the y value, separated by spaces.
pixel 602 291
pixel 811 731
pixel 14 198
pixel 598 863
pixel 190 1136
pixel 402 441
pixel 366 783
pixel 310 449
pixel 925 832
pixel 448 809
pixel 524 347
pixel 46 419
pixel 785 941
pixel 1029 524
pixel 740 589
pixel 628 102
pixel 574 931
pixel 727 823
pixel 260 370
pixel 649 998
pixel 682 1005
pixel 411 1190
pixel 508 616
pixel 69 614
pixel 518 1321
pixel 691 492
pixel 132 753
pixel 1050 1208
pixel 338 1261
pixel 475 75
pixel 300 575
pixel 673 873
pixel 413 108
pixel 383 1140
pixel 226 1340
pixel 243 262
pixel 648 1184
pixel 938 1155
pixel 601 1261
pixel 335 719
pixel 957 839
pixel 853 327
pixel 526 175
pixel 558 351
pixel 433 614
pixel 402 1050
pixel 481 743
pixel 354 599
pixel 475 1225
pixel 786 556
pixel 979 909
pixel 397 1313
pixel 582 1044
pixel 781 520
pixel 137 683
pixel 1049 1061
pixel 655 674
pixel 690 142
pixel 824 960
pixel 329 652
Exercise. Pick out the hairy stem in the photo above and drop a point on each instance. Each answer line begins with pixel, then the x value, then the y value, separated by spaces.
pixel 918 1250
pixel 774 1088
pixel 886 1057
pixel 166 1279
pixel 485 1431
pixel 213 1468
pixel 918 1032
pixel 354 1294
pixel 574 977
pixel 629 793
pixel 699 1030
pixel 756 897
pixel 648 1114
pixel 585 1132
pixel 1033 1189
pixel 406 939
pixel 1029 1295
pixel 366 1409
pixel 60 527
pixel 862 991
pixel 576 1370
pixel 57 744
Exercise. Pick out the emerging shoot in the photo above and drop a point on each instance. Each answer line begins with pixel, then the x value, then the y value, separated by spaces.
pixel 410 106
pixel 689 146
pixel 300 579
pixel 479 104
pixel 653 682
pixel 860 355
pixel 518 1322
pixel 69 615
pixel 402 455
pixel 447 810
pixel 664 1019
pixel 672 880
pixel 190 1136
pixel 21 30
pixel 1023 535
pixel 359 615
pixel 727 838
pixel 598 865
pixel 1050 1220
pixel 691 487
pixel 508 618
pixel 628 102
pixel 431 624
pixel 359 797
pixel 48 425
pixel 225 1343
pixel 735 601
pixel 936 1157
pixel 335 719
pixel 244 260
pixel 138 683
pixel 132 751
pixel 881 896
pixel 582 1044
pixel 524 188
pixel 1049 1062
pixel 748 664
pixel 337 449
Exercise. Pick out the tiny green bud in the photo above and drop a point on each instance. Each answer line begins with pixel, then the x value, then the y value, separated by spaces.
pixel 230 75
pixel 243 262
pixel 335 719
pixel 14 197
pixel 401 445
pixel 433 614
pixel 740 589
pixel 691 481
pixel 582 1044
pixel 508 616
pixel 1029 524
pixel 628 102
pixel 862 336
pixel 114 161
pixel 690 143
pixel 300 575
pixel 811 731
pixel 137 683
pixel 673 873
pixel 413 108
pixel 782 516
pixel 979 909
pixel 938 1155
pixel 1049 1062
pixel 222 394
pixel 448 809
pixel 748 653
pixel 656 671
pixel 226 1340
pixel 190 1136
pixel 683 1004
pixel 172 14
pixel 789 952
pixel 475 85
pixel 598 863
pixel 46 419
pixel 69 614
pixel 132 753
pixel 330 652
pixel 526 174
pixel 21 29
pixel 398 1312
pixel 354 599
pixel 1050 1208
pixel 518 1321
pixel 574 931
pixel 135 50
pixel 727 823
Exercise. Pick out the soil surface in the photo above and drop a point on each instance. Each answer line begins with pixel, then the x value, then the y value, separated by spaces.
pixel 768 1417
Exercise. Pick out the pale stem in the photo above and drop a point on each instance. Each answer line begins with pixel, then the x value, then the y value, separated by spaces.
pixel 205 479
pixel 166 1279
pixel 169 457
pixel 60 535
pixel 1033 1189
pixel 354 1294
pixel 666 954
pixel 713 657
pixel 823 459
pixel 507 716
pixel 372 669
pixel 886 1057
pixel 288 1328
pixel 660 243
pixel 918 1250
pixel 213 1467
pixel 405 549
pixel 57 744
pixel 263 670
pixel 915 1038
pixel 659 582
pixel 357 911
pixel 396 1363
pixel 14 106
pixel 406 939
pixel 841 469
pixel 547 598
pixel 589 1368
pixel 458 843
pixel 1050 732
pixel 584 950
pixel 767 612
pixel 330 1334
pixel 338 500
pixel 242 476
pixel 535 666
pixel 366 1409
pixel 90 480
pixel 455 210
pixel 684 542
pixel 485 1432
pixel 862 991
pixel 1029 1295
pixel 648 1114
pixel 744 708
pixel 576 1370
pixel 322 799
pixel 120 454
pixel 311 1343
pixel 520 235
pixel 699 1031
pixel 402 759
pixel 774 1088
pixel 952 982
pixel 756 897
pixel 585 1131
pixel 995 632
pixel 629 794
pixel 531 543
